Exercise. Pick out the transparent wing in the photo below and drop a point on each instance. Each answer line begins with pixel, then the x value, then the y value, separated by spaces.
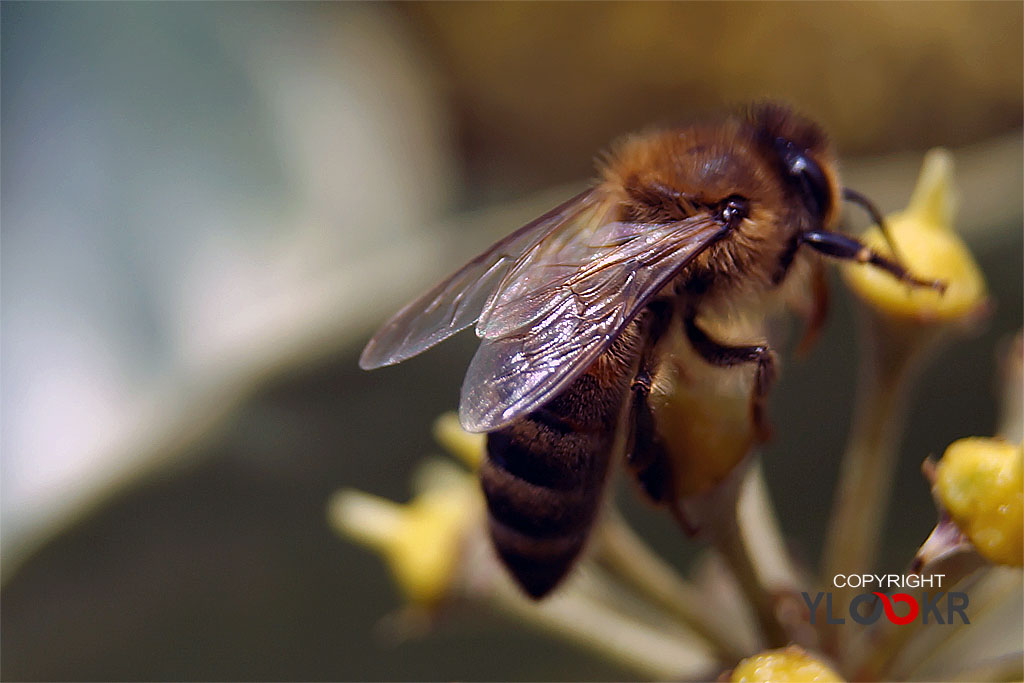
pixel 561 306
pixel 456 303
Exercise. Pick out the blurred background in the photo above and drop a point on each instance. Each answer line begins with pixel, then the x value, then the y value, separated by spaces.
pixel 207 209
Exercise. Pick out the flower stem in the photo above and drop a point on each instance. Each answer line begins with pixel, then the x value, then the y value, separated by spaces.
pixel 1011 421
pixel 883 642
pixel 631 643
pixel 634 562
pixel 994 629
pixel 741 524
pixel 760 527
pixel 893 353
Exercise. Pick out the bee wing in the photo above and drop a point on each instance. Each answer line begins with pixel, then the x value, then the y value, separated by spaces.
pixel 456 303
pixel 560 308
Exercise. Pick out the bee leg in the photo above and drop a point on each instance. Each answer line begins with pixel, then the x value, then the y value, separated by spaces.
pixel 848 249
pixel 819 291
pixel 645 453
pixel 647 456
pixel 727 356
pixel 819 308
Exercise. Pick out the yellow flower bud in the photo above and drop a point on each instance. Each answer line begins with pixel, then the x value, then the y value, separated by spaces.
pixel 979 482
pixel 466 446
pixel 780 666
pixel 929 248
pixel 421 541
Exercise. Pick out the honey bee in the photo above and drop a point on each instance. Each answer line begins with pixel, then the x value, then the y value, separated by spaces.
pixel 632 319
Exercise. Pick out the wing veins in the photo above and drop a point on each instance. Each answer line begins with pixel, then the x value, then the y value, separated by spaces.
pixel 550 333
pixel 417 327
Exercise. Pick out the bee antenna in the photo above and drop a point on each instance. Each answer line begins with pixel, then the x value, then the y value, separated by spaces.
pixel 876 215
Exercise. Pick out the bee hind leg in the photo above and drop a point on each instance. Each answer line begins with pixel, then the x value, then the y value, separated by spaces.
pixel 722 355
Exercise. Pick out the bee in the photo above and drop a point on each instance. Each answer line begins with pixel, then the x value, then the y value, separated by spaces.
pixel 632 320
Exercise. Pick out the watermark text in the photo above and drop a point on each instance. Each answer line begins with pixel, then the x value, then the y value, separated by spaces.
pixel 887 581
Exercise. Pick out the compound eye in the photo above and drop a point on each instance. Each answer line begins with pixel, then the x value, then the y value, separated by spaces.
pixel 808 177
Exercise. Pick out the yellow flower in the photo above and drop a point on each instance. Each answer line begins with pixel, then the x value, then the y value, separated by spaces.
pixel 422 541
pixel 979 482
pixel 466 446
pixel 779 666
pixel 903 325
pixel 929 248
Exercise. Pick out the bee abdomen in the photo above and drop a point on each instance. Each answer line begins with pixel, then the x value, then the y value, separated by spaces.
pixel 544 475
pixel 536 564
pixel 543 487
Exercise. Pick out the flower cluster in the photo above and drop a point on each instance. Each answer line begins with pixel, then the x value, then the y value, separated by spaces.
pixel 980 483
pixel 742 617
pixel 423 541
pixel 789 664
pixel 927 244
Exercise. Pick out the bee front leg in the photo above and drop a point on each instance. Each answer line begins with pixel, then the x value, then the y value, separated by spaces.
pixel 819 307
pixel 848 249
pixel 725 356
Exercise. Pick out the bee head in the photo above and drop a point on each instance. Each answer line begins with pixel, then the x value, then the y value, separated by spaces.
pixel 801 152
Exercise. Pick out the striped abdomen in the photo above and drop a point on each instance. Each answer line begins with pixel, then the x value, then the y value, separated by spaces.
pixel 544 475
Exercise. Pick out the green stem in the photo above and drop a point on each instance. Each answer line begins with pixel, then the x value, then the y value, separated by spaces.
pixel 650 652
pixel 995 622
pixel 892 355
pixel 634 562
pixel 882 643
pixel 740 523
pixel 729 543
pixel 762 534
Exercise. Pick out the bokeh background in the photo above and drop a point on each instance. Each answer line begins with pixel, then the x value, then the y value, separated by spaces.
pixel 206 209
